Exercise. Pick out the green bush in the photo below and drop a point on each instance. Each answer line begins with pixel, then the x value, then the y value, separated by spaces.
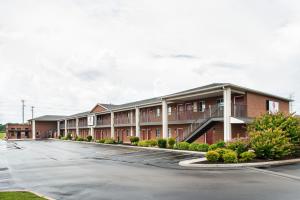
pixel 271 144
pixel 101 141
pixel 134 140
pixel 69 136
pixel 213 147
pixel 162 143
pixel 238 145
pixel 198 147
pixel 171 142
pixel 63 138
pixel 247 156
pixel 109 141
pixel 193 147
pixel 203 147
pixel 183 146
pixel 212 156
pixel 147 143
pixel 222 151
pixel 89 138
pixel 230 157
pixel 221 144
pixel 143 143
pixel 152 143
pixel 287 123
pixel 80 139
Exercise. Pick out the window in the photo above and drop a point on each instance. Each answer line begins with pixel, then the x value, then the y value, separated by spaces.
pixel 158 112
pixel 220 102
pixel 201 106
pixel 157 132
pixel 127 133
pixel 169 110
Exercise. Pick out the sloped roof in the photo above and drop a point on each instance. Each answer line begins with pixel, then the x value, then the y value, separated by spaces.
pixel 49 118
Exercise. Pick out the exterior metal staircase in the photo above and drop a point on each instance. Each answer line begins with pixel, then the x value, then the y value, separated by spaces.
pixel 203 124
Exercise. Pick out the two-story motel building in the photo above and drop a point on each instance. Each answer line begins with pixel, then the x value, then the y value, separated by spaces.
pixel 219 111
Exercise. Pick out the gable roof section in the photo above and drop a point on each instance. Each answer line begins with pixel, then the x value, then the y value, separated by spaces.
pixel 100 107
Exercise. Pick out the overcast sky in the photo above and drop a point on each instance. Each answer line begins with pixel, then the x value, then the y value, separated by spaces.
pixel 64 56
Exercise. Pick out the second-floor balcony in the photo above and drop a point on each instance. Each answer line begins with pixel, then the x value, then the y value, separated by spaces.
pixel 82 123
pixel 103 122
pixel 71 124
pixel 62 125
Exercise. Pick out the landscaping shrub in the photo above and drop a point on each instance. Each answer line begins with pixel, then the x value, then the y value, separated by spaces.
pixel 203 147
pixel 171 142
pixel 247 156
pixel 152 143
pixel 193 147
pixel 89 138
pixel 222 151
pixel 69 136
pixel 230 157
pixel 287 123
pixel 109 141
pixel 220 144
pixel 79 139
pixel 183 146
pixel 143 143
pixel 162 143
pixel 101 141
pixel 239 145
pixel 212 156
pixel 271 144
pixel 213 147
pixel 134 140
pixel 198 147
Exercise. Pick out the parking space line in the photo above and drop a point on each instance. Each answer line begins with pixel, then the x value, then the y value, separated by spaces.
pixel 283 175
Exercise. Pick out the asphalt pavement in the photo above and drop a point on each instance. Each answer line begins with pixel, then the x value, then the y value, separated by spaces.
pixel 67 170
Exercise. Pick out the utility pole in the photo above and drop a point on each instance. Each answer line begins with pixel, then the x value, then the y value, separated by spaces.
pixel 23 106
pixel 32 107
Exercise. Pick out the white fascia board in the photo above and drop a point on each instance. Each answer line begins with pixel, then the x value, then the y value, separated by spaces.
pixel 234 120
pixel 192 94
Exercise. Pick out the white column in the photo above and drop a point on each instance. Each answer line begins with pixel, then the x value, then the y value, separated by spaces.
pixel 77 127
pixel 92 133
pixel 131 122
pixel 137 122
pixel 227 114
pixel 58 129
pixel 165 119
pixel 66 128
pixel 112 126
pixel 33 130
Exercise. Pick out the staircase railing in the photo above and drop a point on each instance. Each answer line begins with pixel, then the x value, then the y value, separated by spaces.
pixel 214 111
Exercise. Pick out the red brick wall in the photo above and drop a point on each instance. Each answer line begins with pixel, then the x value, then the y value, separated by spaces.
pixel 13 129
pixel 45 129
pixel 256 104
pixel 83 133
pixel 102 133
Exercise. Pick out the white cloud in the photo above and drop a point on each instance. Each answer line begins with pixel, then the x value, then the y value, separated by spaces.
pixel 65 56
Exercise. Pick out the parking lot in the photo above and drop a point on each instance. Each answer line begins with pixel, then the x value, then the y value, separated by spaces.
pixel 67 170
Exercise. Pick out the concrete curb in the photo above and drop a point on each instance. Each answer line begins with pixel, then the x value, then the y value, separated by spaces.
pixel 36 193
pixel 136 147
pixel 191 163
